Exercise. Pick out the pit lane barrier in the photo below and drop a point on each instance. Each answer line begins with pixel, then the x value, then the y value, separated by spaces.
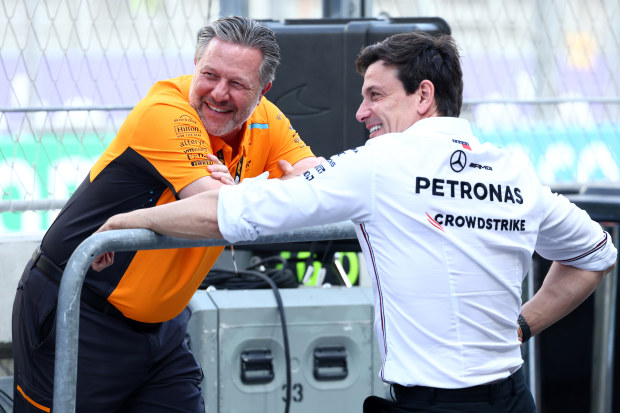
pixel 602 204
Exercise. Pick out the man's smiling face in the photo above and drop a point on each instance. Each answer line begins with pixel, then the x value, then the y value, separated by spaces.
pixel 226 88
pixel 386 107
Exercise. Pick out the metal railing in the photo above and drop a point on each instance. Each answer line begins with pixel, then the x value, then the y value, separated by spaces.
pixel 603 345
pixel 602 208
pixel 68 310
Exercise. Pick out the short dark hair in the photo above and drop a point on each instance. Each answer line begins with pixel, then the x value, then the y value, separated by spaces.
pixel 419 56
pixel 245 32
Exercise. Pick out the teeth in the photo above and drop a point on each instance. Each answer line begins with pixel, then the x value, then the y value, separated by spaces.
pixel 217 109
pixel 375 128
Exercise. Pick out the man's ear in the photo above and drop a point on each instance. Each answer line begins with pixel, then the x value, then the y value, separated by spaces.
pixel 266 89
pixel 262 92
pixel 427 97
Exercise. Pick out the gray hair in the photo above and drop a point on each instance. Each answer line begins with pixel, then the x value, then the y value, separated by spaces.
pixel 245 32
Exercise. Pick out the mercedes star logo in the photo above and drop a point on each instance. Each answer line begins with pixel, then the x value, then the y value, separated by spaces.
pixel 458 160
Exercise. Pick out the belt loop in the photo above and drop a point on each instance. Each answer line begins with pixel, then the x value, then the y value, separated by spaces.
pixel 434 396
pixel 513 385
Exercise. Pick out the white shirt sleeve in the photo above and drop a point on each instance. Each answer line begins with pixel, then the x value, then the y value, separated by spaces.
pixel 340 189
pixel 568 235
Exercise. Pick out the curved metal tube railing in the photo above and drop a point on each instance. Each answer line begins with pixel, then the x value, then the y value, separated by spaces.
pixel 68 310
pixel 601 207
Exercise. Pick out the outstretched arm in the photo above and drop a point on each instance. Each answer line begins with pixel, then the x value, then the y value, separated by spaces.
pixel 563 289
pixel 194 217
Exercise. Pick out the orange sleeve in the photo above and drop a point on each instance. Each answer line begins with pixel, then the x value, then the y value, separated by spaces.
pixel 172 138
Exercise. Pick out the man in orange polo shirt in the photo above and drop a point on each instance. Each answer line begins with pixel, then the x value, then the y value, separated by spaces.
pixel 189 134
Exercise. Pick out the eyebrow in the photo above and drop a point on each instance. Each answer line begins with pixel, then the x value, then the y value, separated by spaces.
pixel 371 88
pixel 241 80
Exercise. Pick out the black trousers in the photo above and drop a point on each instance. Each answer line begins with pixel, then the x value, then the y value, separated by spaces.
pixel 123 365
pixel 510 395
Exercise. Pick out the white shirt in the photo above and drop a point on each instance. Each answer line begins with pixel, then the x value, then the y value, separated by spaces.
pixel 448 227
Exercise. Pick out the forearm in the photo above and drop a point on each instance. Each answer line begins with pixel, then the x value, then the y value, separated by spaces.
pixel 304 164
pixel 301 166
pixel 194 217
pixel 563 289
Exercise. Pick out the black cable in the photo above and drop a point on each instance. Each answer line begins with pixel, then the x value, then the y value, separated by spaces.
pixel 230 280
pixel 310 259
pixel 287 353
pixel 278 258
pixel 251 278
pixel 325 252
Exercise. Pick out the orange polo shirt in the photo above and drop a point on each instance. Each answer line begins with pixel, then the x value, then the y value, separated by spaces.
pixel 161 148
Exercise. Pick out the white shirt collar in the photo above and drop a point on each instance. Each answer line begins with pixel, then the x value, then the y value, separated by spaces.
pixel 437 125
pixel 442 125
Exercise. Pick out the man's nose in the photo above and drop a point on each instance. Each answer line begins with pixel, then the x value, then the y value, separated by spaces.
pixel 362 113
pixel 220 92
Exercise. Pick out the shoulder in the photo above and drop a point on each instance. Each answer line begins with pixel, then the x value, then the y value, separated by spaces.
pixel 168 100
pixel 268 113
pixel 170 91
pixel 180 84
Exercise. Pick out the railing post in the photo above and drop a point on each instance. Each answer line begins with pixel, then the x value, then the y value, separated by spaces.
pixel 68 308
pixel 69 292
pixel 603 341
pixel 530 349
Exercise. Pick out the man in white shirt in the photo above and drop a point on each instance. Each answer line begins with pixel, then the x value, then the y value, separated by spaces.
pixel 447 225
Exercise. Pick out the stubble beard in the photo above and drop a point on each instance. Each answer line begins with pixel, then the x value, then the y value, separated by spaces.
pixel 230 126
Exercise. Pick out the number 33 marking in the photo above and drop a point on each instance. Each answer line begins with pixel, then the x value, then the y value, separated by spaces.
pixel 297 392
